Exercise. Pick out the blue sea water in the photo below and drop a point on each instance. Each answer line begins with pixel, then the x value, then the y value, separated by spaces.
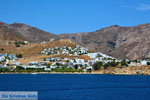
pixel 79 86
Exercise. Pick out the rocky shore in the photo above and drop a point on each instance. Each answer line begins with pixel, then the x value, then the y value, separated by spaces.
pixel 132 70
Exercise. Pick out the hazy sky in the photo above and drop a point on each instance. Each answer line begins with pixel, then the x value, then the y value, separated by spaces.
pixel 69 16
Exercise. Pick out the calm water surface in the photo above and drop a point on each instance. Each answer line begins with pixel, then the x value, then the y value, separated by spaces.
pixel 79 86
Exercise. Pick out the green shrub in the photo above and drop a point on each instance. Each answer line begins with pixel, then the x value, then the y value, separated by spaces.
pixel 19 68
pixel 4 69
pixel 111 64
pixel 148 63
pixel 2 49
pixel 17 44
pixel 19 55
pixel 48 65
pixel 75 66
pixel 106 65
pixel 124 63
pixel 97 65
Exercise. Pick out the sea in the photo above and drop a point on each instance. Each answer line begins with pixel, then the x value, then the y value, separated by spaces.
pixel 79 86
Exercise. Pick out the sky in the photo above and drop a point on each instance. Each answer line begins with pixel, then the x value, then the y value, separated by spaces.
pixel 71 16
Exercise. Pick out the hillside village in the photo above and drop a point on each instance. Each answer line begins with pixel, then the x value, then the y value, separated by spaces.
pixel 119 42
pixel 24 48
pixel 97 61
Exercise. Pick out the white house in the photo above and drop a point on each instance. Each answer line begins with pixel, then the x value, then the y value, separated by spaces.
pixel 2 58
pixel 52 39
pixel 17 63
pixel 25 42
pixel 79 61
pixel 92 55
pixel 33 63
pixel 91 62
pixel 53 66
pixel 42 66
pixel 43 42
pixel 66 59
pixel 143 62
pixel 47 69
pixel 31 66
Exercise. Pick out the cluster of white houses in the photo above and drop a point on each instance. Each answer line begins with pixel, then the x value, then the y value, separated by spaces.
pixel 78 50
pixel 44 42
pixel 57 62
pixel 5 58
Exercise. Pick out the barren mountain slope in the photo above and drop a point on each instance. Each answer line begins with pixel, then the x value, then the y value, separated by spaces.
pixel 23 32
pixel 120 42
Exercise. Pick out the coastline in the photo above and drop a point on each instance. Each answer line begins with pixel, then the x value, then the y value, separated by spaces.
pixel 132 70
pixel 72 73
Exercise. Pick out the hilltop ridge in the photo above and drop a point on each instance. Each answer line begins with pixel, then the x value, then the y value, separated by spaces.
pixel 20 31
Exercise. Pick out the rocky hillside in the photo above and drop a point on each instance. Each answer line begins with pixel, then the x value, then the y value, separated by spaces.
pixel 34 49
pixel 120 42
pixel 19 31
